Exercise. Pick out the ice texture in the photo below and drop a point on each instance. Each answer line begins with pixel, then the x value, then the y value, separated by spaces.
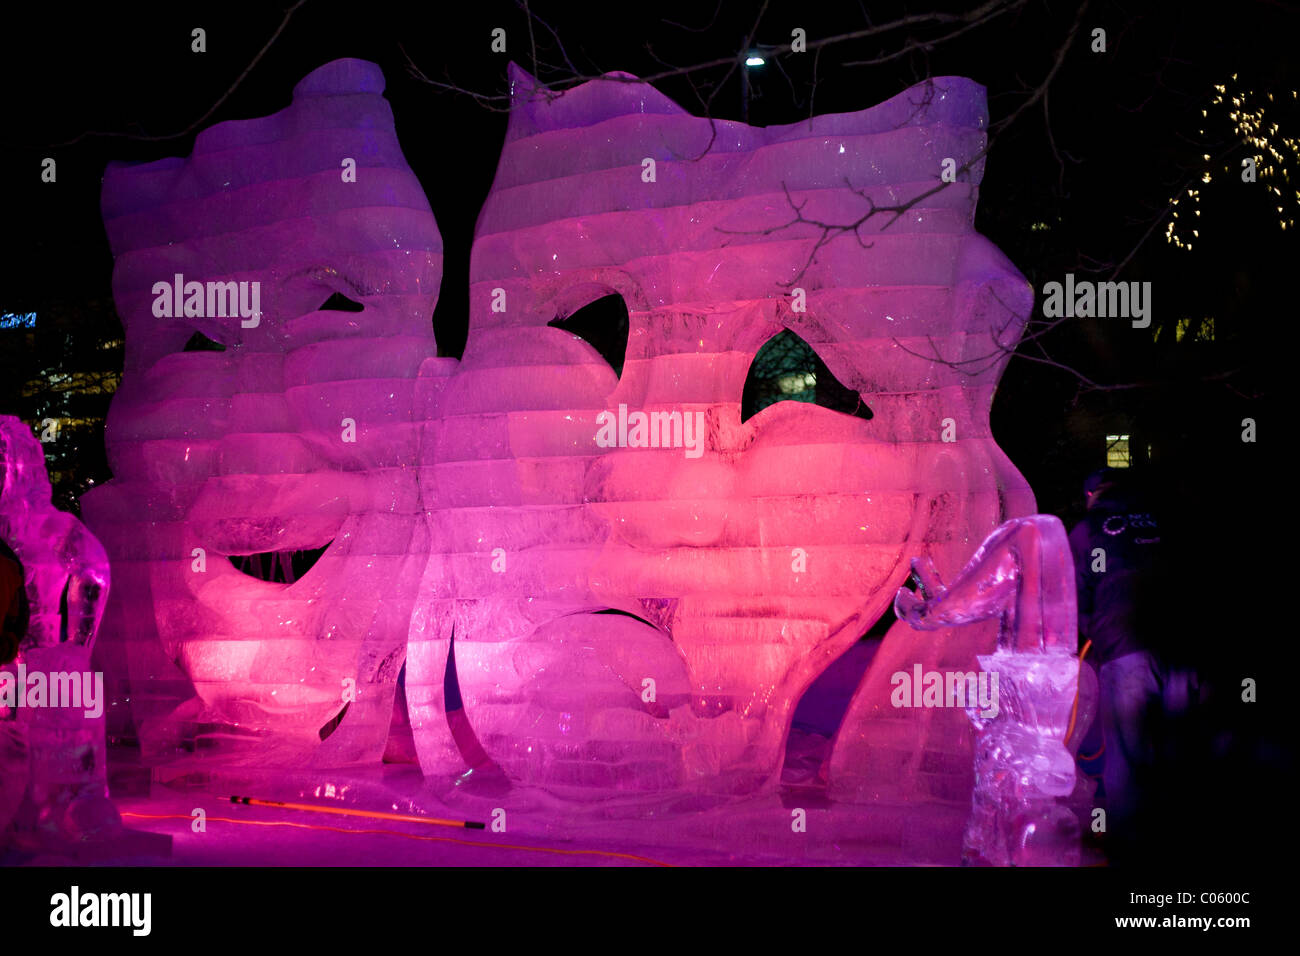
pixel 1023 576
pixel 298 436
pixel 57 552
pixel 740 572
pixel 1019 575
pixel 625 618
pixel 53 754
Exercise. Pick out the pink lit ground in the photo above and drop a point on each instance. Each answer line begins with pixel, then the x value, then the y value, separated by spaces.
pixel 541 831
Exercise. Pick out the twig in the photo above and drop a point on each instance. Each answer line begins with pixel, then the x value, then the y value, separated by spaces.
pixel 215 106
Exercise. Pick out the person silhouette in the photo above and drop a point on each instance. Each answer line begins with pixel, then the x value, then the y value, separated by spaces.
pixel 1118 560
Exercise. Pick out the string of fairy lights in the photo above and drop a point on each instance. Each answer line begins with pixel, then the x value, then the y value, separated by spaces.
pixel 1269 164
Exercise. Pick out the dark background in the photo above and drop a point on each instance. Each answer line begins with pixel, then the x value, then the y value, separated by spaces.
pixel 1078 194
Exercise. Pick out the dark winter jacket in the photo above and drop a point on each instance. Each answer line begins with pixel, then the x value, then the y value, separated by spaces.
pixel 1117 566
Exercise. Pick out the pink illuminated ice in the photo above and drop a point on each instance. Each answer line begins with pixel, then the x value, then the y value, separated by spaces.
pixel 630 611
pixel 52 744
pixel 641 610
pixel 57 552
pixel 263 517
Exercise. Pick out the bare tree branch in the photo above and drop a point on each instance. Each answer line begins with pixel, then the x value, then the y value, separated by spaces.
pixel 1041 90
pixel 215 106
pixel 981 14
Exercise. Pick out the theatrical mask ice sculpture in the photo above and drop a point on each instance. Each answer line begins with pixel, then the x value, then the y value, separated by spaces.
pixel 739 553
pixel 740 556
pixel 267 422
pixel 1022 576
pixel 66 575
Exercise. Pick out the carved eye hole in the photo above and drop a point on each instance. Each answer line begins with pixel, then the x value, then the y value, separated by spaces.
pixel 338 302
pixel 201 343
pixel 279 567
pixel 786 369
pixel 602 324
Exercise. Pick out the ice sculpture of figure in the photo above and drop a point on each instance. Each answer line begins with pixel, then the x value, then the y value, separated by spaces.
pixel 1022 576
pixel 66 575
pixel 276 287
pixel 739 553
pixel 58 553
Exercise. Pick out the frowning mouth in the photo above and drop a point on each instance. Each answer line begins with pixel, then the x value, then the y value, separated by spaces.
pixel 284 528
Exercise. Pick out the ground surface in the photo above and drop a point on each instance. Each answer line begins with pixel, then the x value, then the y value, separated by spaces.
pixel 539 829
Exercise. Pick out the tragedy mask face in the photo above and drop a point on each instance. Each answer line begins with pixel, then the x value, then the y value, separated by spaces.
pixel 276 287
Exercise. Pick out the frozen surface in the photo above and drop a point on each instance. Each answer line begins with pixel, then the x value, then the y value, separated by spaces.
pixel 539 829
pixel 485 498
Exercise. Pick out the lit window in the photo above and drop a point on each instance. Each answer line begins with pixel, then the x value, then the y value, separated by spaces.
pixel 1117 453
pixel 798 382
pixel 787 368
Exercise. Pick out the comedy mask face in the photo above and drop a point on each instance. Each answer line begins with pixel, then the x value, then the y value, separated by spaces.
pixel 650 540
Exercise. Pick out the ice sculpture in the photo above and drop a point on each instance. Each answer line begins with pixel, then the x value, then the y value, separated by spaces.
pixel 276 288
pixel 1022 576
pixel 66 575
pixel 629 610
pixel 643 611
pixel 64 565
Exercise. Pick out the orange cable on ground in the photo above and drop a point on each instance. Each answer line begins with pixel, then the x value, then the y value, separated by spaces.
pixel 1074 711
pixel 345 812
pixel 410 836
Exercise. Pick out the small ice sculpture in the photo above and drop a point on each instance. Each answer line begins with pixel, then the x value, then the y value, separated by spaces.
pixel 1022 575
pixel 67 580
pixel 58 553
